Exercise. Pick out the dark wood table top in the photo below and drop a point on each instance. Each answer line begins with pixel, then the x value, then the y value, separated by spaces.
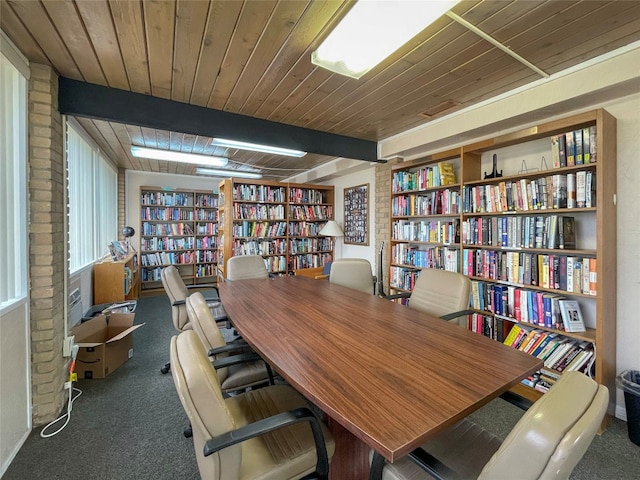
pixel 390 375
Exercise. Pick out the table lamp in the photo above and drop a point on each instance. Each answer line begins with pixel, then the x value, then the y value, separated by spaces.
pixel 332 229
pixel 127 233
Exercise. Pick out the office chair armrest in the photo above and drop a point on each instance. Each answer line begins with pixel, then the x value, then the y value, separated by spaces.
pixel 451 316
pixel 397 295
pixel 422 459
pixel 212 286
pixel 235 359
pixel 270 424
pixel 517 400
pixel 178 303
pixel 230 347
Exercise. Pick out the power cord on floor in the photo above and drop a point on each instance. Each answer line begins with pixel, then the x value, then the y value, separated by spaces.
pixel 69 384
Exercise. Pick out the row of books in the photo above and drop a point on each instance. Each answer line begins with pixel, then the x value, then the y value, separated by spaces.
pixel 405 278
pixel 207 242
pixel 166 258
pixel 207 228
pixel 572 190
pixel 167 229
pixel 558 272
pixel 206 214
pixel 305 229
pixel 258 212
pixel 206 271
pixel 441 202
pixel 435 231
pixel 527 306
pixel 441 174
pixel 166 243
pixel 166 213
pixel 128 279
pixel 577 147
pixel 206 200
pixel 276 264
pixel 311 212
pixel 541 231
pixel 260 247
pixel 206 256
pixel 309 260
pixel 308 245
pixel 306 195
pixel 425 257
pixel 259 229
pixel 486 325
pixel 167 199
pixel 259 193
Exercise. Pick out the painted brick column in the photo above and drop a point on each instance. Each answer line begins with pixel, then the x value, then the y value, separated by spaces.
pixel 383 216
pixel 47 245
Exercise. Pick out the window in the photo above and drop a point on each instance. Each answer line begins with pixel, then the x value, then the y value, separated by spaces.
pixel 93 200
pixel 13 183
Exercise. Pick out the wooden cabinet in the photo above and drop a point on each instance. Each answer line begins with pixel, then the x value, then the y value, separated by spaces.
pixel 178 227
pixel 504 231
pixel 116 281
pixel 279 221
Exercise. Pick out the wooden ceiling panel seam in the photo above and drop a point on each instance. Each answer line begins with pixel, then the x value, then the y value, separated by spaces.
pixel 420 91
pixel 217 37
pixel 388 70
pixel 124 138
pixel 74 35
pixel 20 35
pixel 544 50
pixel 129 25
pixel 276 33
pixel 104 41
pixel 36 19
pixel 159 22
pixel 412 78
pixel 191 23
pixel 273 87
pixel 249 29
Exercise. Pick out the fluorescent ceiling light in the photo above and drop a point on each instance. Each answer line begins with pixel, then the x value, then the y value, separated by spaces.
pixel 372 30
pixel 227 173
pixel 255 147
pixel 173 156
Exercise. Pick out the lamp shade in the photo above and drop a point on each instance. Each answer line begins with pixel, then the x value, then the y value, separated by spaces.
pixel 331 229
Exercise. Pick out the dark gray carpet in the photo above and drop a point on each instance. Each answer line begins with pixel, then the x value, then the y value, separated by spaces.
pixel 126 426
pixel 129 425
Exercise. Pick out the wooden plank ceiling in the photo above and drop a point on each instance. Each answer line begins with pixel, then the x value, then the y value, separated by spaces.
pixel 253 58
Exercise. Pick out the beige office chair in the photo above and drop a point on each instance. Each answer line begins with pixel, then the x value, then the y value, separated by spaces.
pixel 260 434
pixel 235 377
pixel 546 443
pixel 353 273
pixel 243 267
pixel 440 293
pixel 178 292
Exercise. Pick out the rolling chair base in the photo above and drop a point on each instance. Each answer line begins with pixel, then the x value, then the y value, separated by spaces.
pixel 165 368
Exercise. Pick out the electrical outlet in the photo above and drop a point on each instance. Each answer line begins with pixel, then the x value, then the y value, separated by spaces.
pixel 68 345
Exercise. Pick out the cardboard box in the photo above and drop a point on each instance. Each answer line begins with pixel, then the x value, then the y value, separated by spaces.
pixel 105 342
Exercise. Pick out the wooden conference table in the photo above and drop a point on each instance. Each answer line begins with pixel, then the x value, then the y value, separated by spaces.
pixel 389 375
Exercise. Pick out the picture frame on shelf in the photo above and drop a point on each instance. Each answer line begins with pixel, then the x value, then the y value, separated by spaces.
pixel 356 215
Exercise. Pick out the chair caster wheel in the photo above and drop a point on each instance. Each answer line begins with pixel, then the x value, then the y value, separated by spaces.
pixel 165 369
pixel 188 432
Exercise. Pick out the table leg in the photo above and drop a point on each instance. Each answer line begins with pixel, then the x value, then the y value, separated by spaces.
pixel 351 458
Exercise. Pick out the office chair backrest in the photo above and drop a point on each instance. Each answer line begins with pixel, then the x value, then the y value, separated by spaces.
pixel 439 292
pixel 176 291
pixel 205 327
pixel 353 273
pixel 553 435
pixel 199 390
pixel 243 267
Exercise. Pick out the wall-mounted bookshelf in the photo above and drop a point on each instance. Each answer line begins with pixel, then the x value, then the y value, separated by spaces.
pixel 540 234
pixel 178 227
pixel 279 221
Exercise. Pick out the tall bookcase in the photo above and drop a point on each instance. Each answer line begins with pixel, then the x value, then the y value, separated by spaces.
pixel 501 231
pixel 280 221
pixel 178 227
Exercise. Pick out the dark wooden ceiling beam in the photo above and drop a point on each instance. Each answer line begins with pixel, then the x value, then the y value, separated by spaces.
pixel 84 99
